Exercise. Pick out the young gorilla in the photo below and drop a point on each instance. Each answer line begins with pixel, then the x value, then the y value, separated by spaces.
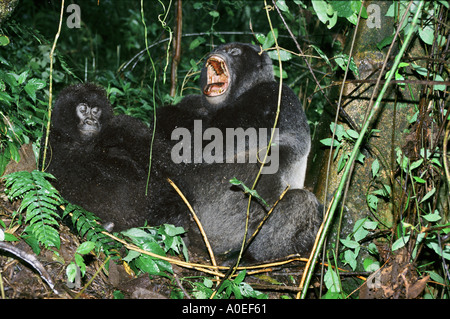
pixel 239 91
pixel 100 161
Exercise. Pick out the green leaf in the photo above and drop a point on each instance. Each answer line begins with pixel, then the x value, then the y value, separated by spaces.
pixel 32 86
pixel 359 231
pixel 370 264
pixel 132 254
pixel 240 277
pixel 331 280
pixel 148 265
pixel 439 87
pixel 343 8
pixel 208 283
pixel 421 70
pixel 350 258
pixel 14 152
pixel 399 243
pixel 428 195
pixel 386 41
pixel 432 217
pixel 284 55
pixel 325 13
pixel 441 251
pixel 436 277
pixel 196 42
pixel 328 141
pixel 320 52
pixel 372 201
pixel 370 225
pixel 353 134
pixel 342 61
pixel 375 167
pixel 426 34
pixel 4 40
pixel 86 247
pixel 270 41
pixel 281 4
pixel 71 272
pixel 350 243
pixel 254 193
pixel 416 164
pixel 171 230
pixel 419 180
pixel 214 14
pixel 80 263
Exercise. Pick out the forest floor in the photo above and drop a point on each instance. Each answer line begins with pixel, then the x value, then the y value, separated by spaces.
pixel 20 279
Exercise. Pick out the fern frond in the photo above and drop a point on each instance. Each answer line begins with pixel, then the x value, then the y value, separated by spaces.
pixel 88 226
pixel 40 201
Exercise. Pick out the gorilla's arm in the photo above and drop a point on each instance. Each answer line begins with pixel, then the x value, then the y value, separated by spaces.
pixel 183 114
pixel 128 139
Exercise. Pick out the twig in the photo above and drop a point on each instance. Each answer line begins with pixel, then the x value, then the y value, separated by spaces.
pixel 176 48
pixel 181 286
pixel 265 218
pixel 93 277
pixel 447 173
pixel 2 290
pixel 199 267
pixel 52 52
pixel 199 224
pixel 32 261
pixel 406 81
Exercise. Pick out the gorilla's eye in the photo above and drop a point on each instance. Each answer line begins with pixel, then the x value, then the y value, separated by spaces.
pixel 235 51
pixel 82 108
pixel 96 111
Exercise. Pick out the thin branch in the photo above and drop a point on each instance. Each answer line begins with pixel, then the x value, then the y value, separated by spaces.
pixel 177 48
pixel 32 261
pixel 199 224
pixel 52 52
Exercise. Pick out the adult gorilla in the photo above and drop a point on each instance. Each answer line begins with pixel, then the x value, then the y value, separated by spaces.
pixel 239 92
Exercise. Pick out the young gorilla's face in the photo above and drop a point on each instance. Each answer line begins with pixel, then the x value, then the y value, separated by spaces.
pixel 89 120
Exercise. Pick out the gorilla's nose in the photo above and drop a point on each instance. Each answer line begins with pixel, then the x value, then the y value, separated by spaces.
pixel 90 121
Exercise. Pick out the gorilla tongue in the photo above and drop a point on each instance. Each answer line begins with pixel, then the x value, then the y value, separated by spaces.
pixel 217 76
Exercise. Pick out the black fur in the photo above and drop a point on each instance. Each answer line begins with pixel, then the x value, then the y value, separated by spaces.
pixel 105 173
pixel 250 102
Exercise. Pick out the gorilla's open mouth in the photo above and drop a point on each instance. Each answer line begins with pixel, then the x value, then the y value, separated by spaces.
pixel 217 76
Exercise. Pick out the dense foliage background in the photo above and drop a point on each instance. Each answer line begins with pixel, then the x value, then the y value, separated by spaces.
pixel 128 46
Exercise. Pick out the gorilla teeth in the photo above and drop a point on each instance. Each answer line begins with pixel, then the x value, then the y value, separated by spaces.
pixel 218 65
pixel 217 76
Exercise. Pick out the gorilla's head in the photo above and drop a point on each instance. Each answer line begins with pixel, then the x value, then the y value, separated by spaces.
pixel 81 111
pixel 231 70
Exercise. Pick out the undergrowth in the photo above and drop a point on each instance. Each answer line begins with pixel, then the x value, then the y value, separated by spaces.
pixel 421 224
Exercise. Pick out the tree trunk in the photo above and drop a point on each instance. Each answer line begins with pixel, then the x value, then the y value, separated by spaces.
pixel 392 123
